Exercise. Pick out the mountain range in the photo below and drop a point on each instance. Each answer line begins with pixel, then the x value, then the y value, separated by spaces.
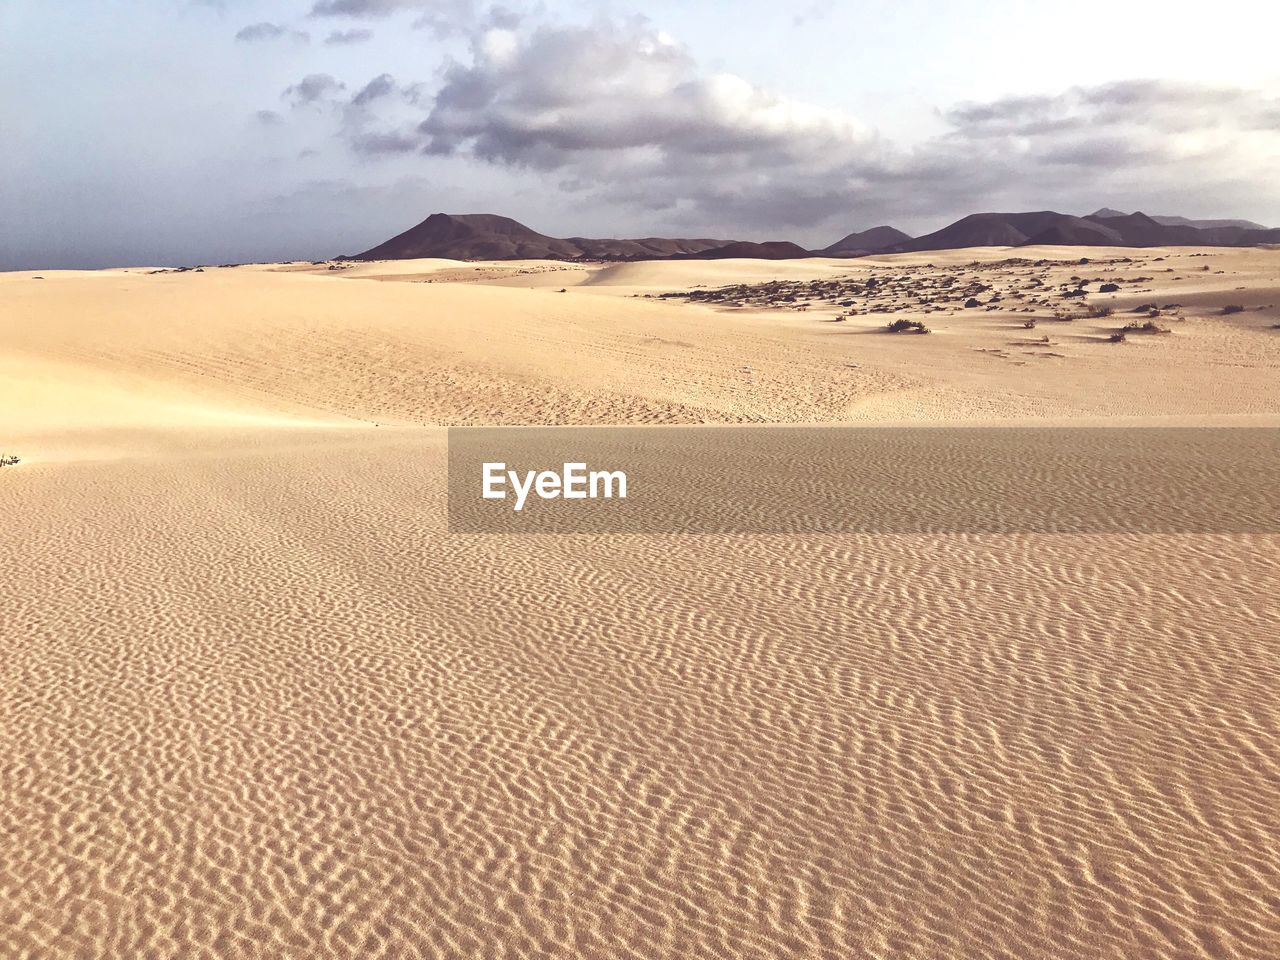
pixel 481 236
pixel 1184 222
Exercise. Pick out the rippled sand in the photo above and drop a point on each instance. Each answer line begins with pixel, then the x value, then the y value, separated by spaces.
pixel 257 702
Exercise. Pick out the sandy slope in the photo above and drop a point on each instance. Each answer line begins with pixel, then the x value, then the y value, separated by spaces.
pixel 256 702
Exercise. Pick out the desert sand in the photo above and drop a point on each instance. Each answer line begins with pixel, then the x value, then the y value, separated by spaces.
pixel 256 701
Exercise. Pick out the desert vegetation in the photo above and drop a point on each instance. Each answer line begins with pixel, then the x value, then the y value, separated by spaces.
pixel 1015 285
pixel 1144 326
pixel 903 325
pixel 8 460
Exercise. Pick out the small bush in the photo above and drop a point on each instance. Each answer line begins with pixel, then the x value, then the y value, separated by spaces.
pixel 1029 324
pixel 903 325
pixel 1098 312
pixel 972 302
pixel 1109 288
pixel 1233 308
pixel 1144 326
pixel 1117 337
pixel 7 460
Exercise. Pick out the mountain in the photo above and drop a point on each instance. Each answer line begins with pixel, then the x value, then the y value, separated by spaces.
pixel 986 230
pixel 1139 230
pixel 1104 228
pixel 484 236
pixel 1208 224
pixel 1107 213
pixel 867 241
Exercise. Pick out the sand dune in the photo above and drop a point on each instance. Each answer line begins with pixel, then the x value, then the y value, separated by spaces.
pixel 258 702
pixel 673 275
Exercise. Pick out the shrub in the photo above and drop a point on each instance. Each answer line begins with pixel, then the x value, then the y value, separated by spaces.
pixel 1098 312
pixel 1029 324
pixel 7 460
pixel 1144 326
pixel 903 325
pixel 972 302
pixel 1117 337
pixel 1109 288
pixel 1233 308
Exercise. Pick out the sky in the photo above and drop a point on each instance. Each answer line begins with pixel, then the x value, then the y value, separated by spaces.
pixel 212 131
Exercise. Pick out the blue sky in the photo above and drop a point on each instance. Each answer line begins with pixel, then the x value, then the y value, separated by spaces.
pixel 184 132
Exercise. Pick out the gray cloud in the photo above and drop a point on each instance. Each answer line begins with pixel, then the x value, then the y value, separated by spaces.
pixel 381 90
pixel 817 10
pixel 443 17
pixel 360 8
pixel 339 38
pixel 375 89
pixel 1157 127
pixel 375 144
pixel 1153 105
pixel 270 31
pixel 313 89
pixel 269 118
pixel 451 10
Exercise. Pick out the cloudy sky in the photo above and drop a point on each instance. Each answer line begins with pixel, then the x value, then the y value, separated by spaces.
pixel 183 131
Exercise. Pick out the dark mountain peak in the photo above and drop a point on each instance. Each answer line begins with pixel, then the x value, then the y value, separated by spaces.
pixel 985 230
pixel 867 241
pixel 1136 218
pixel 476 223
pixel 487 236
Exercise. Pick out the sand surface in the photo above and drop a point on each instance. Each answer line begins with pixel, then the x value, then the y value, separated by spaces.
pixel 257 702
